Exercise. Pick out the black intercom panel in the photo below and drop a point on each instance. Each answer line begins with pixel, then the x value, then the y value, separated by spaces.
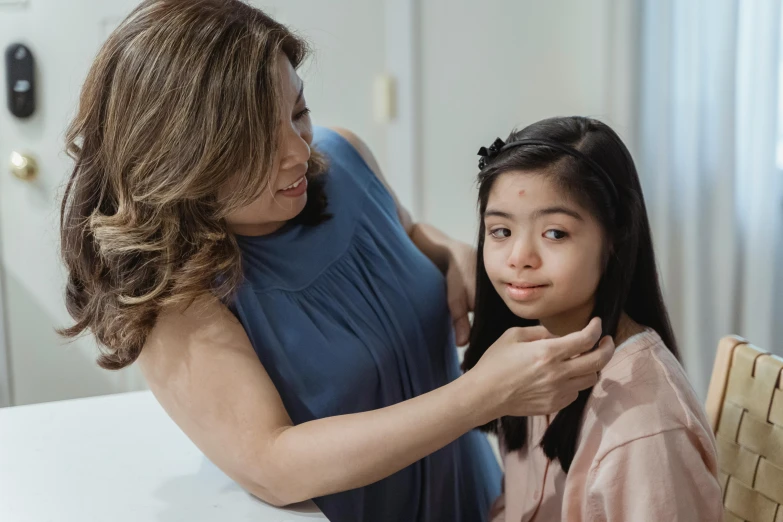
pixel 20 75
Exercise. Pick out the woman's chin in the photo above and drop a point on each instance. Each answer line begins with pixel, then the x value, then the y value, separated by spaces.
pixel 291 207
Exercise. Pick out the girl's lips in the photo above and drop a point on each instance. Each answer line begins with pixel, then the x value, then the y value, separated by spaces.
pixel 524 292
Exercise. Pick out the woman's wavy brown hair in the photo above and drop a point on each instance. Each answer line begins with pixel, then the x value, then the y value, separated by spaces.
pixel 181 100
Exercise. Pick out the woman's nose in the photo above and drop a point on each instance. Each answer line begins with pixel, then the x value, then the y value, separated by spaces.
pixel 295 150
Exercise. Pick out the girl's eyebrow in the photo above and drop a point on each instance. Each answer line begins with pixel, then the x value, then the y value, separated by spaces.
pixel 556 210
pixel 496 213
pixel 537 214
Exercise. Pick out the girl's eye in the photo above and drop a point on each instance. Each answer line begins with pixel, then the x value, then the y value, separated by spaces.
pixel 302 114
pixel 500 233
pixel 555 234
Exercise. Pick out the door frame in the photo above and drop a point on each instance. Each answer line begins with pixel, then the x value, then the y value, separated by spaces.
pixel 403 133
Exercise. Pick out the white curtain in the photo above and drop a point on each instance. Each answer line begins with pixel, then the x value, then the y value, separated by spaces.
pixel 707 136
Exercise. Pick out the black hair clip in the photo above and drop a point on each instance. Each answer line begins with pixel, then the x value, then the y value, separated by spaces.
pixel 489 153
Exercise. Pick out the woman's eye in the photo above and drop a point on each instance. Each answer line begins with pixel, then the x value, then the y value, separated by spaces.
pixel 302 114
pixel 500 233
pixel 555 234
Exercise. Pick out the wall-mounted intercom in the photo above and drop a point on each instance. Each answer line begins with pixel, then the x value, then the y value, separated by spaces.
pixel 20 75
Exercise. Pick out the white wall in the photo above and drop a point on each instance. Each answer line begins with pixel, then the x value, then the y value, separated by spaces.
pixel 488 67
pixel 346 36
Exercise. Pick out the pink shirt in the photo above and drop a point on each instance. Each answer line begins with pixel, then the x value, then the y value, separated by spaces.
pixel 645 452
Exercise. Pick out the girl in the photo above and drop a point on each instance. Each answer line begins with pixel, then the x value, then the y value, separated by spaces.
pixel 564 237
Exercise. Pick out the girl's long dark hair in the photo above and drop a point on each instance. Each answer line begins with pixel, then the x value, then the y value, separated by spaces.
pixel 629 283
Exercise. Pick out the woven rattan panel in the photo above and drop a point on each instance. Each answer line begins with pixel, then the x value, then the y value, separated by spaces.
pixel 750 438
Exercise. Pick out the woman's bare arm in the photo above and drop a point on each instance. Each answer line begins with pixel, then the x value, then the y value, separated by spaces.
pixel 200 365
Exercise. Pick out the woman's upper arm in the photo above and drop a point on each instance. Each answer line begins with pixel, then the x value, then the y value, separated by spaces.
pixel 366 154
pixel 201 367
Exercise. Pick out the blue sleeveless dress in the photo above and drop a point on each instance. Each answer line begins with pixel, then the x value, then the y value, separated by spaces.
pixel 349 316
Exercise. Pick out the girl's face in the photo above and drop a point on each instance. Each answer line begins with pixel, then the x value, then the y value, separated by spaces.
pixel 542 252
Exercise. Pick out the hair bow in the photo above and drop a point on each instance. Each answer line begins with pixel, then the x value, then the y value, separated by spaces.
pixel 489 153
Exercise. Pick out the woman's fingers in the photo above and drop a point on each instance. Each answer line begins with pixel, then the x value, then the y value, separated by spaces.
pixel 530 334
pixel 592 362
pixel 462 330
pixel 577 343
pixel 458 307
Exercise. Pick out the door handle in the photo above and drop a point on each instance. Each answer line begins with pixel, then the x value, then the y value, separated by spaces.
pixel 23 166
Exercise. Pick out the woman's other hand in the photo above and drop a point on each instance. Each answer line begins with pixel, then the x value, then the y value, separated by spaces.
pixel 461 287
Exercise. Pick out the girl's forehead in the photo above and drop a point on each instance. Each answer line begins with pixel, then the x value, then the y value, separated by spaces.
pixel 526 192
pixel 524 186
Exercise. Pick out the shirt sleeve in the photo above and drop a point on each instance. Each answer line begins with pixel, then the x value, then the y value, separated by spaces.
pixel 662 477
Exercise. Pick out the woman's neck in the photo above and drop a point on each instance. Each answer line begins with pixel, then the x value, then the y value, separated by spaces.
pixel 263 229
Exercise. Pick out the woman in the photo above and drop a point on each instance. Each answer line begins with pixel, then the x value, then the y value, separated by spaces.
pixel 285 311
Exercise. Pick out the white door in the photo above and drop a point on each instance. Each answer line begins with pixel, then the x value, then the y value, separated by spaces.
pixel 349 39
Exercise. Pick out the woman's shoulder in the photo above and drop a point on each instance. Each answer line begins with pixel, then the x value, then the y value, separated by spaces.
pixel 353 163
pixel 343 136
pixel 187 330
pixel 350 161
pixel 344 146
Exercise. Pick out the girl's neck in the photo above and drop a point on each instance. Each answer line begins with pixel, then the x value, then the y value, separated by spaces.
pixel 576 320
pixel 626 328
pixel 568 322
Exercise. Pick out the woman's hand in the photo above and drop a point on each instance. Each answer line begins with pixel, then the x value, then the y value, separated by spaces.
pixel 461 287
pixel 528 371
pixel 457 260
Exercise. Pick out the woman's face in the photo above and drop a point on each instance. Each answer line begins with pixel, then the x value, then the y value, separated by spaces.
pixel 542 252
pixel 285 196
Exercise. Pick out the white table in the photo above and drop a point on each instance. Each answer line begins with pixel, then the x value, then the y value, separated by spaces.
pixel 117 458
